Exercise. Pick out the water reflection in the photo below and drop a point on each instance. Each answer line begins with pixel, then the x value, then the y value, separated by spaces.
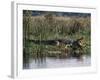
pixel 58 63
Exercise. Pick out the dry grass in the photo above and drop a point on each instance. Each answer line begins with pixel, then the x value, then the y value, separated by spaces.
pixel 41 28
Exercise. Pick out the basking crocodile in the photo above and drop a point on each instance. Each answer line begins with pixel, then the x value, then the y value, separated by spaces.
pixel 74 43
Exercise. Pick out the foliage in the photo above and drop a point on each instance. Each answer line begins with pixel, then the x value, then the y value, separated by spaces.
pixel 50 27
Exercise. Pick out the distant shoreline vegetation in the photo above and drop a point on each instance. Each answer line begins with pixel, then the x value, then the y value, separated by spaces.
pixel 64 14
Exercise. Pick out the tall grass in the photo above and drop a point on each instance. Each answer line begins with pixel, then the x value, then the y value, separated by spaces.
pixel 51 28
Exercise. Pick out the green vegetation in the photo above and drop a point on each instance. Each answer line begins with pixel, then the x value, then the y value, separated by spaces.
pixel 51 27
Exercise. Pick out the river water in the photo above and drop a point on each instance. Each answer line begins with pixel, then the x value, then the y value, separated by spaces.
pixel 58 63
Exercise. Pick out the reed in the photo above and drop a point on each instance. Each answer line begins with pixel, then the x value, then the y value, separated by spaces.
pixel 51 28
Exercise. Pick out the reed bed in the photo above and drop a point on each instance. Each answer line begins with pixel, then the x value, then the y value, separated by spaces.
pixel 53 28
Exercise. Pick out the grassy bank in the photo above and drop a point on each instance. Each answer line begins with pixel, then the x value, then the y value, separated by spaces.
pixel 52 28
